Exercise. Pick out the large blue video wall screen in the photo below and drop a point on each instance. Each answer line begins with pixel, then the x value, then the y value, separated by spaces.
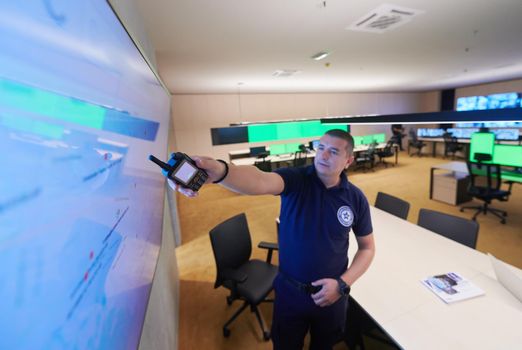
pixel 81 207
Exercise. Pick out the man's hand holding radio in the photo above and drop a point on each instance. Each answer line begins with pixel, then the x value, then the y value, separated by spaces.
pixel 215 170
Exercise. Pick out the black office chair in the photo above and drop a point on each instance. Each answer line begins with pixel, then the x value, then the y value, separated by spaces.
pixel 415 143
pixel 485 182
pixel 386 152
pixel 299 158
pixel 365 159
pixel 247 280
pixel 453 227
pixel 451 145
pixel 392 205
pixel 263 164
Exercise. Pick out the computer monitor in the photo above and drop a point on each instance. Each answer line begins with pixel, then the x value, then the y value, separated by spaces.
pixel 278 149
pixel 506 134
pixel 481 142
pixel 312 145
pixel 255 151
pixel 357 140
pixel 508 155
pixel 367 139
pixel 430 132
pixel 379 138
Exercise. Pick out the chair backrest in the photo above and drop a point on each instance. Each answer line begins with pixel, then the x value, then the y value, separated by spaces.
pixel 413 135
pixel 299 158
pixel 231 245
pixel 263 165
pixel 456 228
pixel 392 205
pixel 387 151
pixel 484 177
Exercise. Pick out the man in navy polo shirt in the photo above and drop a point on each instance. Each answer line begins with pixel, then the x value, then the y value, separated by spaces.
pixel 319 206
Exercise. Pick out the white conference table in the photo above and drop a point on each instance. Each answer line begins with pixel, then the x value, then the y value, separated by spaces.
pixel 412 315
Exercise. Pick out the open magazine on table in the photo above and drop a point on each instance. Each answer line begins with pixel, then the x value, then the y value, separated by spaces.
pixel 452 287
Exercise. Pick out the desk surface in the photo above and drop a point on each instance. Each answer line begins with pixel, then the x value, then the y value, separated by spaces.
pixel 392 294
pixel 461 167
pixel 290 156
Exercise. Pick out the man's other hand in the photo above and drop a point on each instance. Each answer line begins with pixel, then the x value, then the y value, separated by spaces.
pixel 328 294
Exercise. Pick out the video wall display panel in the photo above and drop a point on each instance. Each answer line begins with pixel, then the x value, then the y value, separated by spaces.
pixel 81 206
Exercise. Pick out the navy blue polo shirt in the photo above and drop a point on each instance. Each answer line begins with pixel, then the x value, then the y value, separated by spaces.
pixel 315 223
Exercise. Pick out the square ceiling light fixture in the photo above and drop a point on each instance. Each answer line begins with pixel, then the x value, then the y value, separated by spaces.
pixel 384 18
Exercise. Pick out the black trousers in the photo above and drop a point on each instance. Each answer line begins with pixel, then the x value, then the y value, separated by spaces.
pixel 295 314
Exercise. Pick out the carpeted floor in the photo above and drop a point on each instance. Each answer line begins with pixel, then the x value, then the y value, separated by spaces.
pixel 203 309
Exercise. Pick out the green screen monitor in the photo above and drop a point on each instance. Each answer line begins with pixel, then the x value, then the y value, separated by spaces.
pixel 277 149
pixel 367 139
pixel 379 138
pixel 262 132
pixel 481 142
pixel 286 131
pixel 292 147
pixel 357 140
pixel 508 155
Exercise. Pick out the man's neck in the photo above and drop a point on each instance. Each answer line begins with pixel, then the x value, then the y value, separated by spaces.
pixel 330 181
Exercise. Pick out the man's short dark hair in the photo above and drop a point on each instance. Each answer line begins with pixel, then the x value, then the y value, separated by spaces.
pixel 342 134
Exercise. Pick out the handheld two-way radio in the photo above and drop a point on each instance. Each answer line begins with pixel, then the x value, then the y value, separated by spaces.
pixel 182 170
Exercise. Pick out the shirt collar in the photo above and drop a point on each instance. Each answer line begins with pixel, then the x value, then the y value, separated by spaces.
pixel 344 184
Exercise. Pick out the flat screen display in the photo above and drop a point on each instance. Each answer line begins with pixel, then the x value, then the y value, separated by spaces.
pixel 80 205
pixel 494 101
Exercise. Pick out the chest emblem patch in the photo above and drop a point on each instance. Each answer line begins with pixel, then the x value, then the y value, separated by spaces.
pixel 345 216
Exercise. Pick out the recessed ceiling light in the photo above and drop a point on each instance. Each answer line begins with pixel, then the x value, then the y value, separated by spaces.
pixel 320 55
pixel 283 73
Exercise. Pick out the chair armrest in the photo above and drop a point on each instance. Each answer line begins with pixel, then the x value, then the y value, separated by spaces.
pixel 271 247
pixel 235 276
pixel 268 245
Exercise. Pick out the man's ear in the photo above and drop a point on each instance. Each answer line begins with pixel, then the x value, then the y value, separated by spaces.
pixel 349 161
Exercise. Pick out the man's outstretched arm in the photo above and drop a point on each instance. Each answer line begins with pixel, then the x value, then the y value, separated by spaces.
pixel 245 179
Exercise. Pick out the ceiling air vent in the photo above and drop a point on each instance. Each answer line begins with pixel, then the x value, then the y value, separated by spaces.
pixel 283 73
pixel 384 18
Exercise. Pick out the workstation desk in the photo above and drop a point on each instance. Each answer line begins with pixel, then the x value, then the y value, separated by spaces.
pixel 436 140
pixel 240 157
pixel 391 291
pixel 453 185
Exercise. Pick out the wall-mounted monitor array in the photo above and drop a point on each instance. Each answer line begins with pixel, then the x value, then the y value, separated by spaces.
pixel 284 148
pixel 495 101
pixel 272 132
pixel 369 139
pixel 466 133
pixel 490 124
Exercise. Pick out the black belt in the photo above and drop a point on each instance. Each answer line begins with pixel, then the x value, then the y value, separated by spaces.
pixel 307 288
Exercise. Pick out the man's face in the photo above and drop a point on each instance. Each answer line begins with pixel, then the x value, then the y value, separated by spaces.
pixel 331 157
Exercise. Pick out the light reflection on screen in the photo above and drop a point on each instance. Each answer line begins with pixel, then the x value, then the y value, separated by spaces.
pixel 80 205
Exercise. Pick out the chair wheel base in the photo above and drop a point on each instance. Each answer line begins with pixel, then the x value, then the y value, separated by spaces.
pixel 503 221
pixel 266 335
pixel 226 332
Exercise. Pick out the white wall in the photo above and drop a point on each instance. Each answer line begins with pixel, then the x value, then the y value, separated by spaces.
pixel 488 89
pixel 194 115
